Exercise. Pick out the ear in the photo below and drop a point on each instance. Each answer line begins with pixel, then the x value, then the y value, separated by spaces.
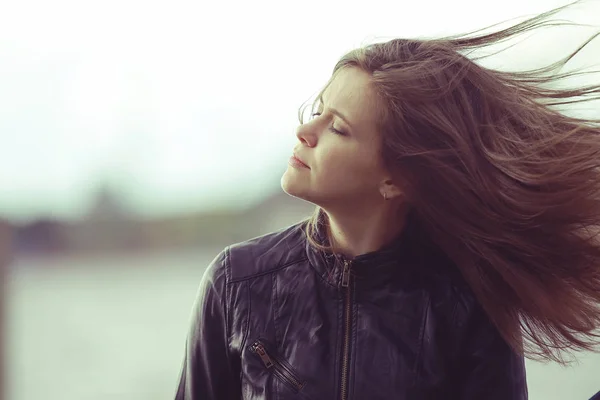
pixel 390 190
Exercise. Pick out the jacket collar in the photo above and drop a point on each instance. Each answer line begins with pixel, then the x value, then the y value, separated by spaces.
pixel 406 251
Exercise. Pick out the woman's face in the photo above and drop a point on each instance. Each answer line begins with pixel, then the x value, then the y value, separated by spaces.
pixel 340 147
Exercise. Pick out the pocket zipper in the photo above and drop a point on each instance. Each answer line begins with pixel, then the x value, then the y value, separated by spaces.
pixel 278 368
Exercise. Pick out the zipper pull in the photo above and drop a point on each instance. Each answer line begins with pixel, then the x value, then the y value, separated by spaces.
pixel 346 274
pixel 262 353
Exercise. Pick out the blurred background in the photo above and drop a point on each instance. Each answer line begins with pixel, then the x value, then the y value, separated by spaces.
pixel 138 139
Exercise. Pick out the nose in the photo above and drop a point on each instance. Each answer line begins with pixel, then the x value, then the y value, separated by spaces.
pixel 306 135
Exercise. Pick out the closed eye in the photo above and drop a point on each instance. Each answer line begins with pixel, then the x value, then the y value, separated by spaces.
pixel 337 132
pixel 331 128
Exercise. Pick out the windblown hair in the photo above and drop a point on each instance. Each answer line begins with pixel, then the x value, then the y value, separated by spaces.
pixel 502 181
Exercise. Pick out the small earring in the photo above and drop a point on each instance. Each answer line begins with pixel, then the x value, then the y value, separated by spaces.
pixel 385 195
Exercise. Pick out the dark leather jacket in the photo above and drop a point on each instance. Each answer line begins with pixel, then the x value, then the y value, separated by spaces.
pixel 277 319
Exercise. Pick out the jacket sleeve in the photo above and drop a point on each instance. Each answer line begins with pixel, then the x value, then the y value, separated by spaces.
pixel 489 368
pixel 208 371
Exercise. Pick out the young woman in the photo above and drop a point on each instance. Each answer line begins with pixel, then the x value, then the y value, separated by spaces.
pixel 455 234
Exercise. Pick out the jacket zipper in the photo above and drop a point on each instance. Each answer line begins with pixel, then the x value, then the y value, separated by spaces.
pixel 348 325
pixel 279 368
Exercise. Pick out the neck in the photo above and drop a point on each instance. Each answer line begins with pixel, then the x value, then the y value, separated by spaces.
pixel 355 232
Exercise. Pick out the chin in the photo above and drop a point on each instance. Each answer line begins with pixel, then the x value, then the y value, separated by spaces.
pixel 300 187
pixel 293 187
pixel 289 185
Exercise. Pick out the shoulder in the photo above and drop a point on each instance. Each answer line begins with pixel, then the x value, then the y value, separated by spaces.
pixel 266 253
pixel 451 306
pixel 455 302
pixel 450 295
pixel 457 292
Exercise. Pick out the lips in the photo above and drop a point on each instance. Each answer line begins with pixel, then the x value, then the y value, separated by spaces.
pixel 295 156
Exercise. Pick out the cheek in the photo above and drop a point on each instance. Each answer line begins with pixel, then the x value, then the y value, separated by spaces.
pixel 355 166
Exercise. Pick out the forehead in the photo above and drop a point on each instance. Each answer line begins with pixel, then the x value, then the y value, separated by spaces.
pixel 350 92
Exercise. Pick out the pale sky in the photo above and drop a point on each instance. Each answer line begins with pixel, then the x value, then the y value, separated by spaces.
pixel 183 103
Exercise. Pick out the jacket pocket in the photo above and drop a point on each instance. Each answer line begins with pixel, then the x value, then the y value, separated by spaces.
pixel 280 369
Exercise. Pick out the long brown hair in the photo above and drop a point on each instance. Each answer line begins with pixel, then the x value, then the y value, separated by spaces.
pixel 506 185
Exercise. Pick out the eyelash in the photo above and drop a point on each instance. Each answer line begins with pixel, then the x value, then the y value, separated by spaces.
pixel 331 128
